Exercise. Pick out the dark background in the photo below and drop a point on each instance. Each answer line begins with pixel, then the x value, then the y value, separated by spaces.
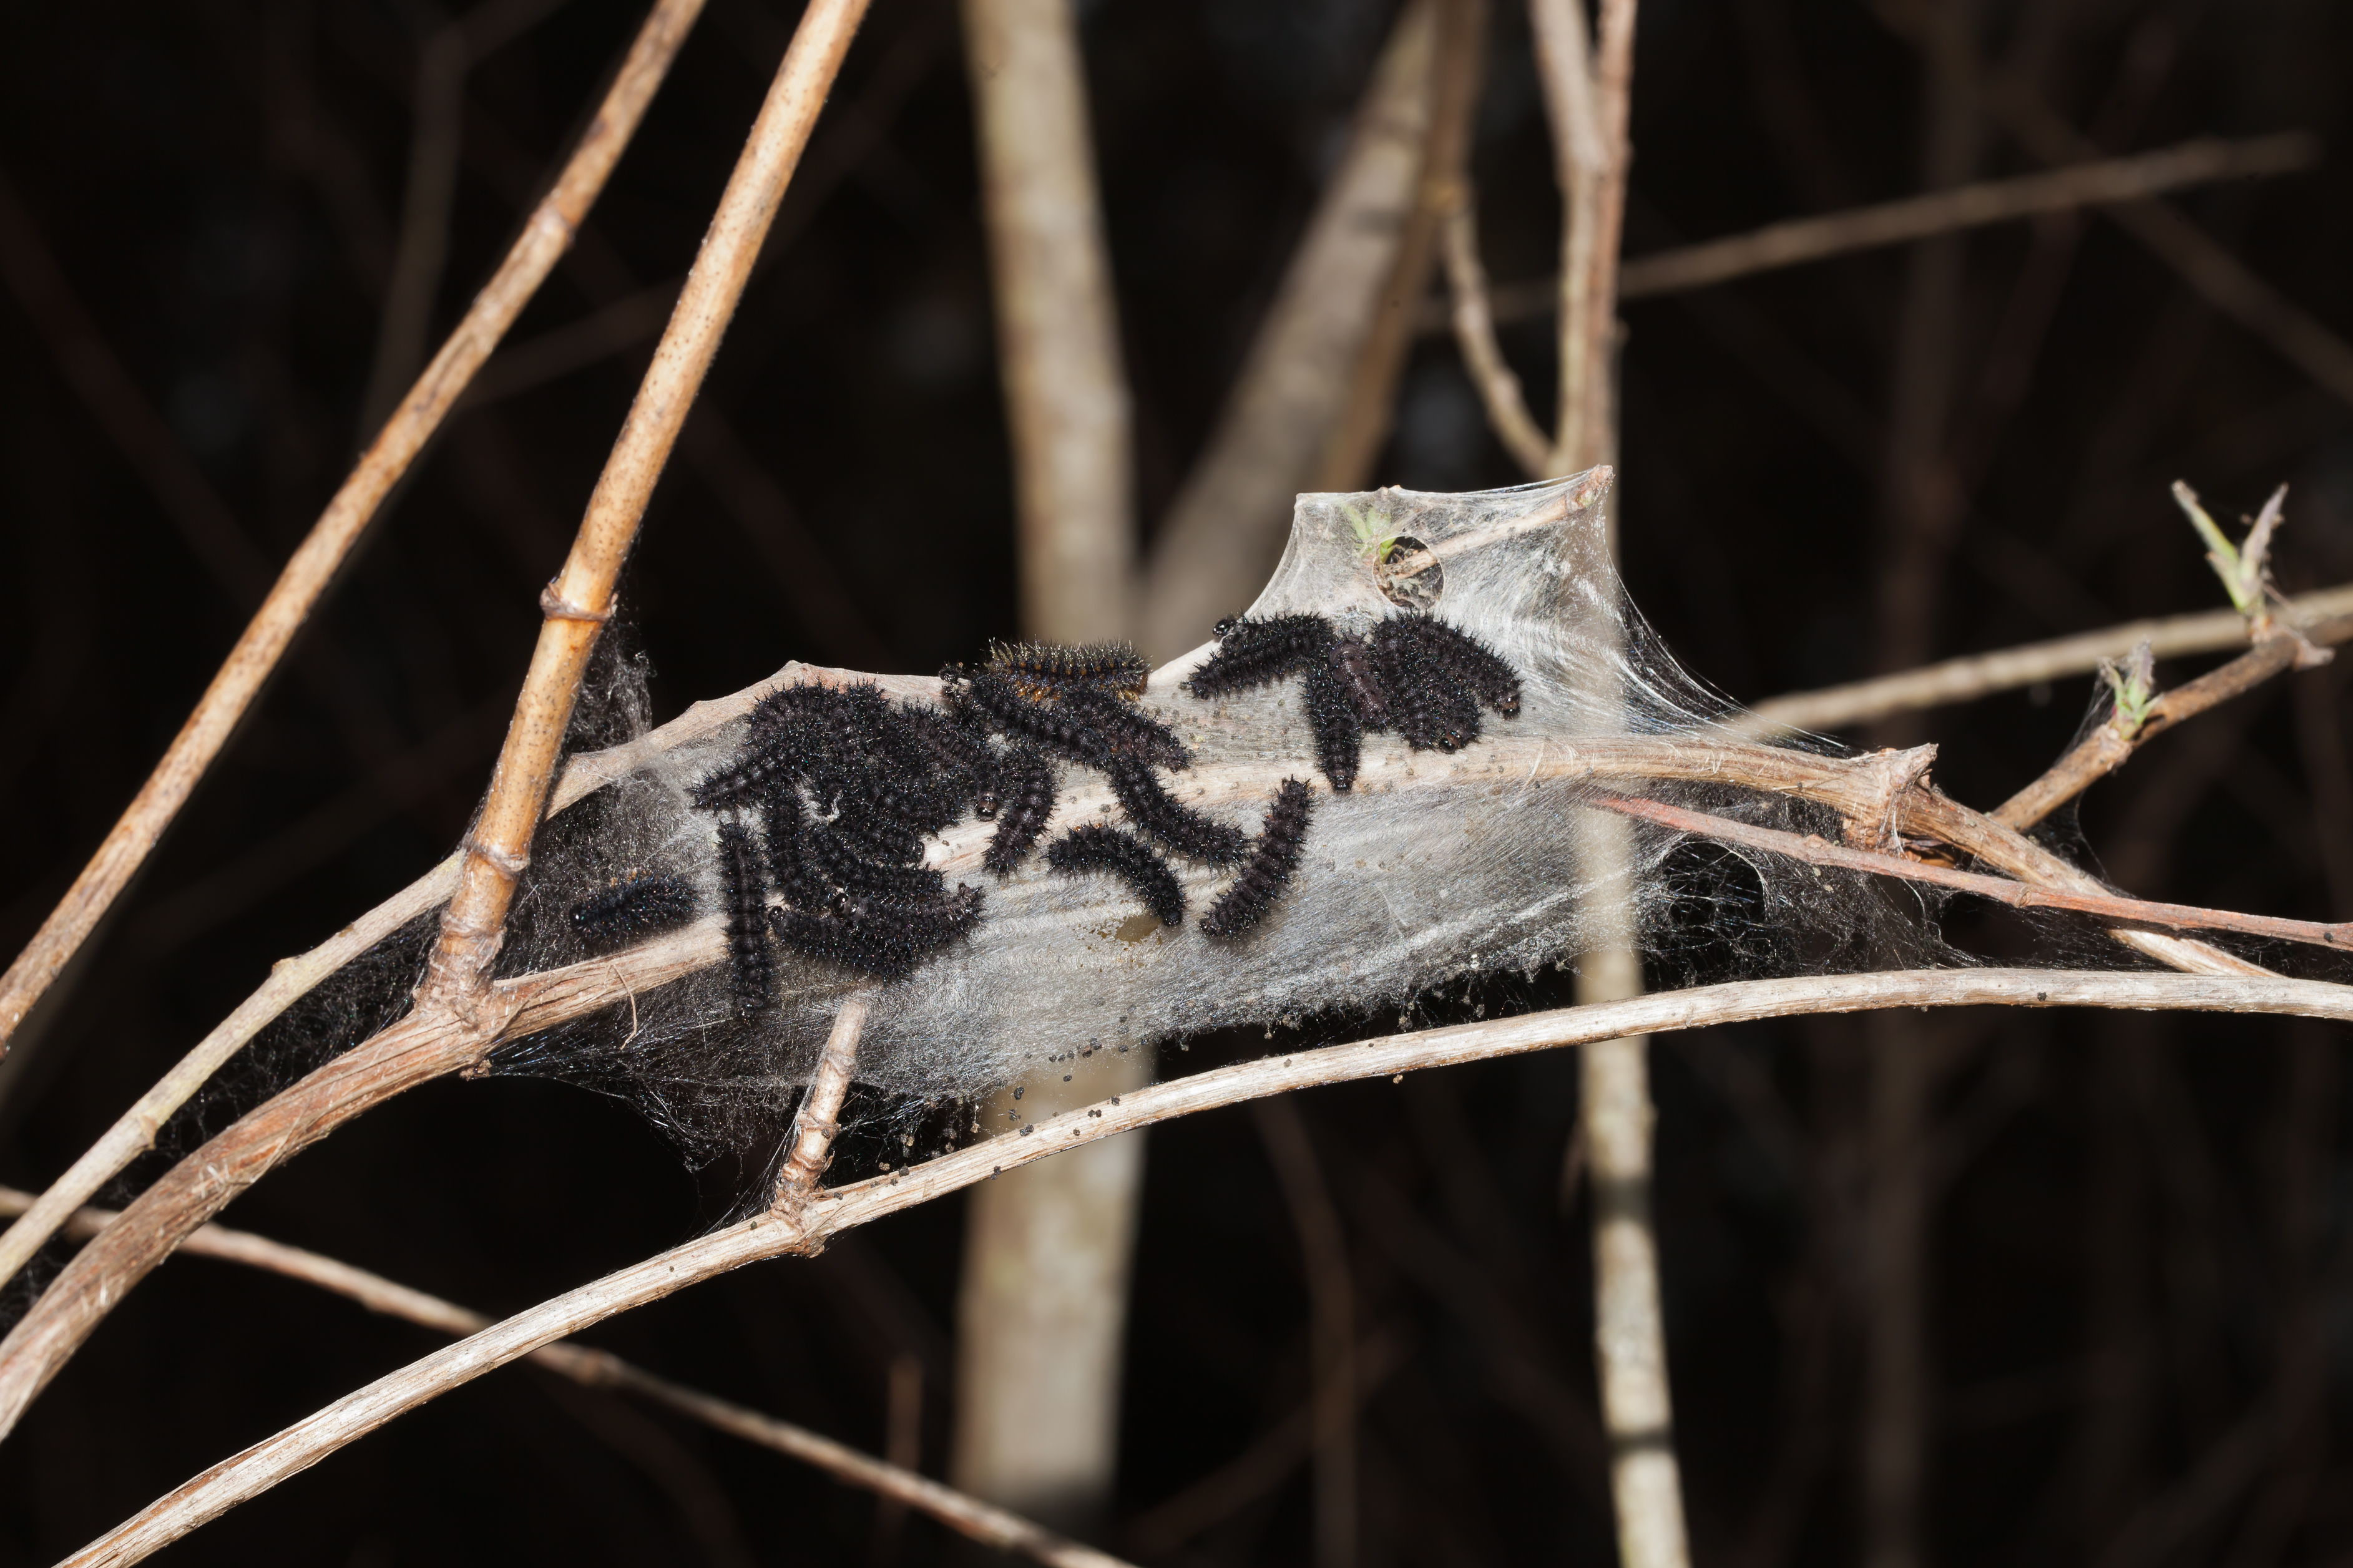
pixel 2134 1221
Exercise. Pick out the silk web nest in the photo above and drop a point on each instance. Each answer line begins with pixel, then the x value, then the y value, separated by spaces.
pixel 1196 869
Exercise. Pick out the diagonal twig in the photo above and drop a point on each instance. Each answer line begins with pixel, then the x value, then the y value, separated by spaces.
pixel 1816 851
pixel 1976 675
pixel 969 1516
pixel 2109 746
pixel 835 1210
pixel 577 605
pixel 314 562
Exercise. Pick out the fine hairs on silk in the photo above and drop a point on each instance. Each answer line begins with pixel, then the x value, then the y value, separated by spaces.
pixel 1435 867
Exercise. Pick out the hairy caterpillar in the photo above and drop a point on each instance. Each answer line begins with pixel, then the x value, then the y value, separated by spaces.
pixel 1274 858
pixel 1028 801
pixel 1255 652
pixel 1095 847
pixel 639 907
pixel 1043 670
pixel 745 892
pixel 1179 827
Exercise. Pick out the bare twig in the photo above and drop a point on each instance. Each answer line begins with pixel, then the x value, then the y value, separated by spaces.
pixel 1332 1326
pixel 1474 333
pixel 1226 526
pixel 2102 183
pixel 833 1211
pixel 1816 851
pixel 1982 674
pixel 2200 261
pixel 579 601
pixel 814 1128
pixel 314 562
pixel 2108 748
pixel 598 1369
pixel 1587 92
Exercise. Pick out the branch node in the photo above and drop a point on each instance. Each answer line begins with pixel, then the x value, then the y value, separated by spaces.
pixel 555 607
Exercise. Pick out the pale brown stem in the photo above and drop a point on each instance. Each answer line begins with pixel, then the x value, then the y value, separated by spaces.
pixel 1332 1327
pixel 580 600
pixel 2110 746
pixel 1474 334
pixel 1587 91
pixel 1815 850
pixel 2102 183
pixel 1353 444
pixel 2218 276
pixel 1979 675
pixel 895 1481
pixel 835 1210
pixel 815 1127
pixel 2072 186
pixel 543 240
pixel 1225 527
pixel 1057 322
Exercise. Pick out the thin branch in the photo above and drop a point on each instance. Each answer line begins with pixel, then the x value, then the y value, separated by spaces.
pixel 969 1516
pixel 2199 259
pixel 1982 674
pixel 1587 92
pixel 815 1127
pixel 1818 851
pixel 2072 186
pixel 580 600
pixel 2108 747
pixel 1474 333
pixel 2196 163
pixel 314 563
pixel 835 1211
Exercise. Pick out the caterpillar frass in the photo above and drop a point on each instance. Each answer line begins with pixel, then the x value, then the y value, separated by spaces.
pixel 1352 661
pixel 1125 727
pixel 743 892
pixel 1152 809
pixel 1274 858
pixel 1427 705
pixel 1476 668
pixel 639 907
pixel 1042 671
pixel 1339 730
pixel 884 936
pixel 1095 847
pixel 1253 652
pixel 1027 800
pixel 993 700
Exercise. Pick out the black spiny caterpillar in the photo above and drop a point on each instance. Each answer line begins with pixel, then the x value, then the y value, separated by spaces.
pixel 1339 729
pixel 1042 672
pixel 1429 707
pixel 993 700
pixel 743 892
pixel 1161 815
pixel 1273 859
pixel 1125 727
pixel 1476 668
pixel 1027 801
pixel 1095 847
pixel 1254 652
pixel 877 935
pixel 639 907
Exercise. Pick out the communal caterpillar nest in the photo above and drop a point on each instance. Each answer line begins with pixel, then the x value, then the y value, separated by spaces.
pixel 1433 866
